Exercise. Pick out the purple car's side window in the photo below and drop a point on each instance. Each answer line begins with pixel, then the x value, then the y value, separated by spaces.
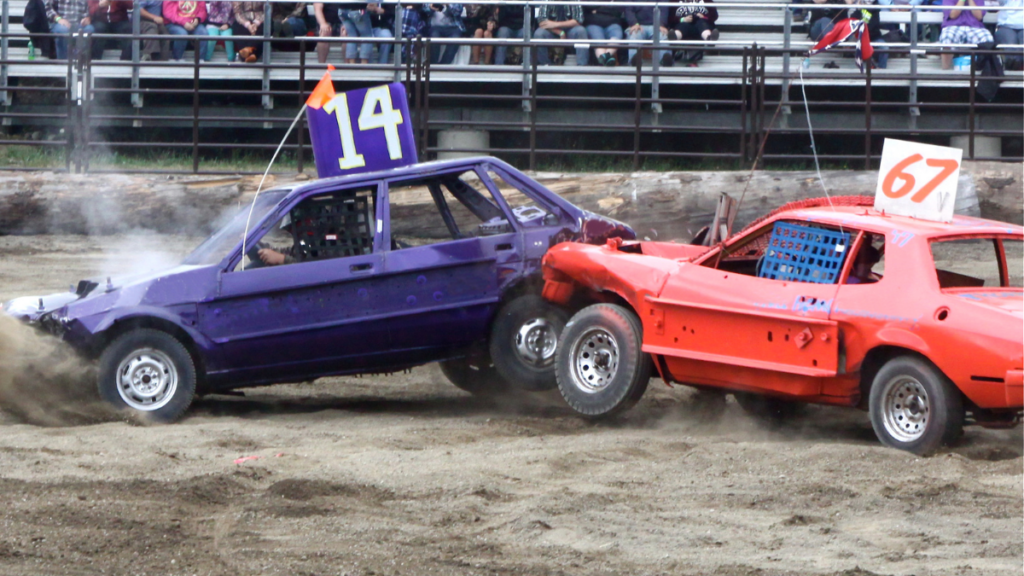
pixel 440 208
pixel 321 227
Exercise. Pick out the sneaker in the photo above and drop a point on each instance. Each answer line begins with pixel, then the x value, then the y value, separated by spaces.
pixel 831 64
pixel 667 60
pixel 602 60
pixel 714 35
pixel 635 59
pixel 611 61
pixel 145 58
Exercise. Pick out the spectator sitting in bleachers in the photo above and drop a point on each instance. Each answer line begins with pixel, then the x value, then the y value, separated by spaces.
pixel 184 18
pixel 289 19
pixel 1010 30
pixel 962 26
pixel 822 19
pixel 382 21
pixel 220 15
pixel 355 19
pixel 561 21
pixel 641 27
pixel 68 16
pixel 444 21
pixel 481 22
pixel 510 25
pixel 694 22
pixel 152 24
pixel 603 23
pixel 328 23
pixel 110 17
pixel 249 17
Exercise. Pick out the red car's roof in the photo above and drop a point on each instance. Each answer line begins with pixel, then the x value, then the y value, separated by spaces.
pixel 874 220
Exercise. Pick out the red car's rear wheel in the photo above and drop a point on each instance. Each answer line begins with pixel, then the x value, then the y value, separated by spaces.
pixel 914 407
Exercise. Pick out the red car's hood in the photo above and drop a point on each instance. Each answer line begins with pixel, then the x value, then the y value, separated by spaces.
pixel 1009 301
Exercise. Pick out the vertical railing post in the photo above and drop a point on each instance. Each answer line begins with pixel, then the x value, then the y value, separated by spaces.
pixel 74 53
pixel 301 136
pixel 787 44
pixel 656 64
pixel 416 55
pixel 72 83
pixel 527 56
pixel 268 29
pixel 85 103
pixel 5 29
pixel 397 56
pixel 912 96
pixel 743 107
pixel 533 109
pixel 970 111
pixel 637 97
pixel 195 108
pixel 426 98
pixel 867 116
pixel 136 54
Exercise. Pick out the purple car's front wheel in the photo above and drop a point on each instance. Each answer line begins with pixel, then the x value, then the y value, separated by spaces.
pixel 147 373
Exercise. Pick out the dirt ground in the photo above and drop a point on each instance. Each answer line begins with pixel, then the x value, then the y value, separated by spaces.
pixel 406 475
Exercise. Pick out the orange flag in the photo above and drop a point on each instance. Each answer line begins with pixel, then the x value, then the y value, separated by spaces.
pixel 324 91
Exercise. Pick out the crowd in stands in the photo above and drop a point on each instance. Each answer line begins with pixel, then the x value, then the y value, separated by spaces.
pixel 962 25
pixel 240 25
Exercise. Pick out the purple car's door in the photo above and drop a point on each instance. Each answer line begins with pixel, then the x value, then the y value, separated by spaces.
pixel 310 317
pixel 450 250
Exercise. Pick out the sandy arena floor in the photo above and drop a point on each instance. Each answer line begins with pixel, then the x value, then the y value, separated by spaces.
pixel 406 475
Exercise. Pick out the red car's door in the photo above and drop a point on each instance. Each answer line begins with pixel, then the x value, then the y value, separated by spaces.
pixel 724 326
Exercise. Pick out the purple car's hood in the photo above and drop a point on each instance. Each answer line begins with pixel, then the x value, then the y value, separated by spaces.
pixel 160 288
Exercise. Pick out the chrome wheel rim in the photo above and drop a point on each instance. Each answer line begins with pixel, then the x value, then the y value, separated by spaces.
pixel 147 379
pixel 595 360
pixel 535 343
pixel 906 408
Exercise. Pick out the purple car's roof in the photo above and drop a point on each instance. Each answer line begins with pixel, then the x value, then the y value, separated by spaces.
pixel 422 168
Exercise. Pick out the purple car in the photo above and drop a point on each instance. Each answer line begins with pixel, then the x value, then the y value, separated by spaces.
pixel 366 273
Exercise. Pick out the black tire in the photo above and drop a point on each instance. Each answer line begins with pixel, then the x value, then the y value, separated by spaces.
pixel 474 374
pixel 146 353
pixel 613 379
pixel 523 344
pixel 914 407
pixel 769 409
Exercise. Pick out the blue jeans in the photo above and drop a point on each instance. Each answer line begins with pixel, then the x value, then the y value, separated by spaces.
pixel 610 32
pixel 229 46
pixel 62 43
pixel 383 49
pixel 505 32
pixel 645 33
pixel 574 33
pixel 1007 35
pixel 450 50
pixel 820 27
pixel 178 47
pixel 357 25
pixel 298 26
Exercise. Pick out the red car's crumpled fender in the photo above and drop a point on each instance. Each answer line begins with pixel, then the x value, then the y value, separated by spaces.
pixel 569 267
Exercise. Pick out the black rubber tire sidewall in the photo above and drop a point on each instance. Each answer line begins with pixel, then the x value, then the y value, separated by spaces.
pixel 474 374
pixel 634 372
pixel 507 323
pixel 130 342
pixel 946 405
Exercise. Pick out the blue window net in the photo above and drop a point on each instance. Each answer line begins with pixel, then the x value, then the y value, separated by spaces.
pixel 804 254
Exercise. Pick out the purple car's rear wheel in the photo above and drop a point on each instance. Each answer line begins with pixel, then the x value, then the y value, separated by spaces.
pixel 148 373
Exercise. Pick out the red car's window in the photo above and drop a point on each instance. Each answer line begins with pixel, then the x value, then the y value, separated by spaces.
pixel 966 262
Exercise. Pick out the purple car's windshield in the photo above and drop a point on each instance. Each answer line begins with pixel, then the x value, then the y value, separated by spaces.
pixel 217 246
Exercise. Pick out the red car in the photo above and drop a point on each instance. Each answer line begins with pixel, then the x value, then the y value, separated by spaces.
pixel 919 322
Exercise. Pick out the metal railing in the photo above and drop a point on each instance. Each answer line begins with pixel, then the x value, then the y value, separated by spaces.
pixel 643 110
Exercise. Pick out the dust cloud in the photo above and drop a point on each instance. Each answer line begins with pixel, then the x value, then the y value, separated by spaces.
pixel 44 382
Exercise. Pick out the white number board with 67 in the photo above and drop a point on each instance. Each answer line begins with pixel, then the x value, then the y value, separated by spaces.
pixel 918 180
